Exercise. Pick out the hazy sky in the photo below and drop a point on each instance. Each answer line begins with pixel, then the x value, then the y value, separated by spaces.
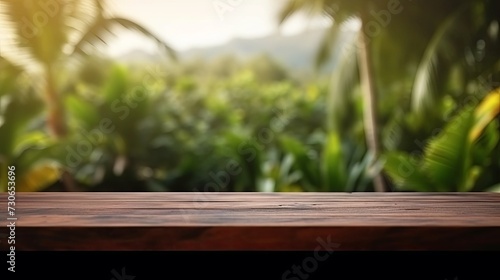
pixel 196 23
pixel 185 24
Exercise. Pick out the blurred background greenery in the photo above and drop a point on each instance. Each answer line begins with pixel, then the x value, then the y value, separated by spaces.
pixel 386 95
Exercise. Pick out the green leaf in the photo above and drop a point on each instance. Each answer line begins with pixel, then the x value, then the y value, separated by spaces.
pixel 116 87
pixel 447 157
pixel 371 167
pixel 37 158
pixel 85 113
pixel 18 113
pixel 285 169
pixel 406 172
pixel 8 75
pixel 486 111
pixel 472 176
pixel 301 159
pixel 33 150
pixel 31 139
pixel 39 177
pixel 333 166
pixel 485 144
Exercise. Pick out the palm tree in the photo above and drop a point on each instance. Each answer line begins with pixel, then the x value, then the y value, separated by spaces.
pixel 46 34
pixel 340 12
pixel 422 45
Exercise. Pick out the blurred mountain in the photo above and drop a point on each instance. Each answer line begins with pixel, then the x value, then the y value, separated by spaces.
pixel 296 52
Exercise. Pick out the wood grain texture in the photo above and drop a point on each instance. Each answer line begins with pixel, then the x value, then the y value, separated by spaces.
pixel 255 221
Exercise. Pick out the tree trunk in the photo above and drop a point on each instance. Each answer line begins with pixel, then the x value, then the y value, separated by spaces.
pixel 370 103
pixel 56 121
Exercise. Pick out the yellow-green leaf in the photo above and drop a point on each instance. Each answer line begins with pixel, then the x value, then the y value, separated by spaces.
pixel 38 178
pixel 486 111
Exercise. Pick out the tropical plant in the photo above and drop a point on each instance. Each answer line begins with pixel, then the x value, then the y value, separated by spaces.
pixel 456 158
pixel 330 164
pixel 32 153
pixel 395 37
pixel 46 36
pixel 47 33
pixel 461 52
pixel 341 12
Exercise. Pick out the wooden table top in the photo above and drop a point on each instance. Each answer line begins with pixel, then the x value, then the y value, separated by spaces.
pixel 254 221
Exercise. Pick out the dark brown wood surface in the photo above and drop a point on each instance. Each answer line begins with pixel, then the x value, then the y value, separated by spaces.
pixel 255 221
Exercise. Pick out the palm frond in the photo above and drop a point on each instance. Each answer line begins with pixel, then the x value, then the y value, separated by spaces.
pixel 406 172
pixel 447 157
pixel 102 27
pixel 80 16
pixel 33 44
pixel 311 7
pixel 290 8
pixel 36 29
pixel 424 84
pixel 336 10
pixel 452 161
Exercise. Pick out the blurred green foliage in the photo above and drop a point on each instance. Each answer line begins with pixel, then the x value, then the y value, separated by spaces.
pixel 149 129
pixel 250 125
